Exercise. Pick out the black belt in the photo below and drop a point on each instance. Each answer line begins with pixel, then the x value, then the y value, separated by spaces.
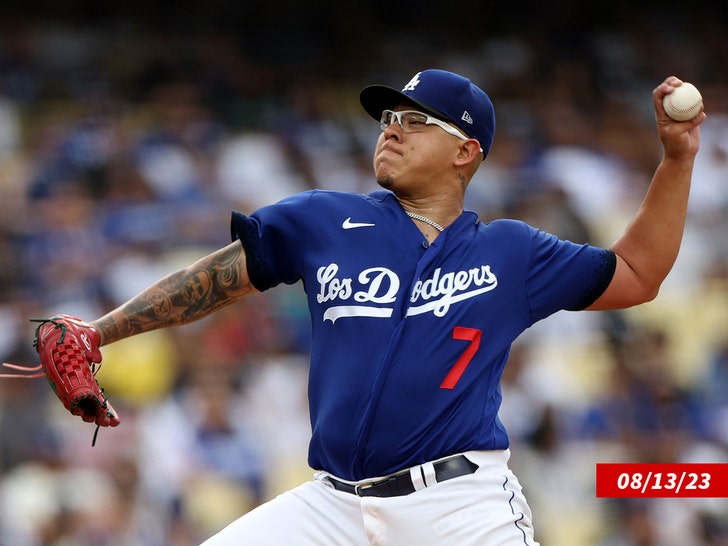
pixel 400 484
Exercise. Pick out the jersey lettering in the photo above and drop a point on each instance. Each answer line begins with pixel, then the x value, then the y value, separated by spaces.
pixel 377 278
pixel 379 285
pixel 451 288
pixel 331 287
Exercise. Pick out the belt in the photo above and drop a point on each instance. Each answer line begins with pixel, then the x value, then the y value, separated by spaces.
pixel 401 484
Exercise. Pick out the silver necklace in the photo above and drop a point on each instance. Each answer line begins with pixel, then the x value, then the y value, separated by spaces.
pixel 424 219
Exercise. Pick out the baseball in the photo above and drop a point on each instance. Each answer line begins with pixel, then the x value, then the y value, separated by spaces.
pixel 683 103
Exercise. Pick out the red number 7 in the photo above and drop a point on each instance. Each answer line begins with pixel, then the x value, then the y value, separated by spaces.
pixel 472 335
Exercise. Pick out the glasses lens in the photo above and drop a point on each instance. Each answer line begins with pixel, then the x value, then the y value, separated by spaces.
pixel 408 120
pixel 413 121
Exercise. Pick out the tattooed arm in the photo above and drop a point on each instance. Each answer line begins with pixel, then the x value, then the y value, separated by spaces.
pixel 187 295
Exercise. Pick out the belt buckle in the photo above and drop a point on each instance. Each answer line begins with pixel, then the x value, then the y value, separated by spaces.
pixel 363 486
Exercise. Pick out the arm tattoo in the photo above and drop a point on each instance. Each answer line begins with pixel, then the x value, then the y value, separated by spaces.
pixel 185 296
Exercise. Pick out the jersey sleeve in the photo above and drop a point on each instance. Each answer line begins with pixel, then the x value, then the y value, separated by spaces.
pixel 565 275
pixel 272 237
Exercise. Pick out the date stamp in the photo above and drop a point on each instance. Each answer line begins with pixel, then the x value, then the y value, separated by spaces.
pixel 620 480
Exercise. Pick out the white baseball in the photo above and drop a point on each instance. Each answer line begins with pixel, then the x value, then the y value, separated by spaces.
pixel 683 103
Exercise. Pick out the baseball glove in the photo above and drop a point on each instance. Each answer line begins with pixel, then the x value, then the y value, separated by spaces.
pixel 69 359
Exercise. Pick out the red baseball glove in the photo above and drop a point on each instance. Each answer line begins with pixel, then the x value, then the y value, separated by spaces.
pixel 69 359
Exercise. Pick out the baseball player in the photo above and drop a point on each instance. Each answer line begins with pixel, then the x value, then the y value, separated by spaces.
pixel 414 304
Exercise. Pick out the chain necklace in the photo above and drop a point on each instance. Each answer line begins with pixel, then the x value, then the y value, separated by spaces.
pixel 424 219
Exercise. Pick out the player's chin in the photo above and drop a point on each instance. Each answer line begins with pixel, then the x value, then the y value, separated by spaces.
pixel 386 182
pixel 386 176
pixel 383 174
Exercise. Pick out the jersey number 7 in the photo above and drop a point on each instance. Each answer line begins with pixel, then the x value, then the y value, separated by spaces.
pixel 472 335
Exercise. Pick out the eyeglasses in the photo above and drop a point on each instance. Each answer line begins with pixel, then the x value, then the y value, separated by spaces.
pixel 412 121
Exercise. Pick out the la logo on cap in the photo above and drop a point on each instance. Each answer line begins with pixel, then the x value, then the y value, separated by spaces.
pixel 414 82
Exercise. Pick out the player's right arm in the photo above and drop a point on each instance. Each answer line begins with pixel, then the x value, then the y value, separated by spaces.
pixel 187 295
pixel 649 246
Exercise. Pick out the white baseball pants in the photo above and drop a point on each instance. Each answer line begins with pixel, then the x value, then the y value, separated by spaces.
pixel 486 508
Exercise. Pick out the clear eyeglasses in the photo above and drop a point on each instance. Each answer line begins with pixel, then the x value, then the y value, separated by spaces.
pixel 413 121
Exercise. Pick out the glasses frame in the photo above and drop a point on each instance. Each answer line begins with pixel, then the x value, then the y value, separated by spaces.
pixel 429 120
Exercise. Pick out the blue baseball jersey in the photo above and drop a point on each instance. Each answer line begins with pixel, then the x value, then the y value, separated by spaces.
pixel 410 338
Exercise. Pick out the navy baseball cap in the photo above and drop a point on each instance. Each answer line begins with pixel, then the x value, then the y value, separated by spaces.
pixel 443 94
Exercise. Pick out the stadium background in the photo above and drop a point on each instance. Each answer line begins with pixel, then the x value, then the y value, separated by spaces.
pixel 127 134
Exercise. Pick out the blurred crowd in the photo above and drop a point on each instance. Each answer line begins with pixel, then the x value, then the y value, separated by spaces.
pixel 123 150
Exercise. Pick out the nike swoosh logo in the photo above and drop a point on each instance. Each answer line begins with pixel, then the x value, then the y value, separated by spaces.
pixel 348 224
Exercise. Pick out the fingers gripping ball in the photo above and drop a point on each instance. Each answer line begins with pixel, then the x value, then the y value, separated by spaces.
pixel 684 103
pixel 69 354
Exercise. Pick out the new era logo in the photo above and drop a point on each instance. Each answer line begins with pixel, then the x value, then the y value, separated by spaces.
pixel 466 117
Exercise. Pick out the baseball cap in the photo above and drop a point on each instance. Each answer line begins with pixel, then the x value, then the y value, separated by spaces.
pixel 443 94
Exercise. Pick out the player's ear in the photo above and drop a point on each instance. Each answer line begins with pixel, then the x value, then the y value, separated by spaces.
pixel 468 152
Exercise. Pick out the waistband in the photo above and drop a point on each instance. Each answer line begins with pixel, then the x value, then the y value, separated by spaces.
pixel 418 477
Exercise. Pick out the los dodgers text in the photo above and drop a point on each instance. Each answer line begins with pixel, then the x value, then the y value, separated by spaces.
pixel 379 286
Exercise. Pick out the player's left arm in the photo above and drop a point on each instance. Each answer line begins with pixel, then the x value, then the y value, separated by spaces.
pixel 649 247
